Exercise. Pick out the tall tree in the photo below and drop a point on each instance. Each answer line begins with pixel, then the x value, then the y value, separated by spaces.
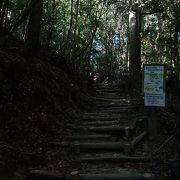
pixel 34 29
pixel 134 42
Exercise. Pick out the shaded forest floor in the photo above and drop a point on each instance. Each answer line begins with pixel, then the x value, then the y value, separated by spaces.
pixel 39 98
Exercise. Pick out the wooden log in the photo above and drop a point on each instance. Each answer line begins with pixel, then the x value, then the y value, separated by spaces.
pixel 108 121
pixel 45 175
pixel 101 146
pixel 115 110
pixel 118 107
pixel 113 128
pixel 89 137
pixel 108 117
pixel 55 175
pixel 107 86
pixel 99 114
pixel 119 99
pixel 104 90
pixel 101 123
pixel 107 99
pixel 113 158
pixel 107 91
pixel 61 144
pixel 78 146
pixel 138 139
pixel 109 111
pixel 115 105
pixel 123 175
pixel 109 95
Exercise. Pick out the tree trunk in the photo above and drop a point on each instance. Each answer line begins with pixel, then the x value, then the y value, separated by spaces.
pixel 171 49
pixel 65 46
pixel 34 29
pixel 176 49
pixel 135 47
pixel 158 37
pixel 50 23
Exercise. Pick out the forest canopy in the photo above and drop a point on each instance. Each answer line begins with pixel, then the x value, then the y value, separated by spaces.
pixel 96 35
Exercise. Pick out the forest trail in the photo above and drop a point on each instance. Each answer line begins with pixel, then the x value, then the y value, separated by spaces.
pixel 105 141
pixel 110 143
pixel 103 145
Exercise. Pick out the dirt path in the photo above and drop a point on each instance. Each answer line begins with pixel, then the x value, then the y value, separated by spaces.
pixel 108 143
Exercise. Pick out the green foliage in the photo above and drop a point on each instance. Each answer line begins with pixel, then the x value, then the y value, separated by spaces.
pixel 159 31
pixel 71 28
pixel 19 4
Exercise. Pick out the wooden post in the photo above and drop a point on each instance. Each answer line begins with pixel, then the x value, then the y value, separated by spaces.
pixel 152 123
pixel 73 176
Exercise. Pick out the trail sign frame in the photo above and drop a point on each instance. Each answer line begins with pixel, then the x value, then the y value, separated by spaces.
pixel 154 93
pixel 154 85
